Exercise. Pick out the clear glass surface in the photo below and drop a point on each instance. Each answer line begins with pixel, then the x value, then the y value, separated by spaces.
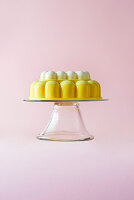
pixel 66 124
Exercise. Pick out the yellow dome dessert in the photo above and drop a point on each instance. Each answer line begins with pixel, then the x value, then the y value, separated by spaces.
pixel 83 89
pixel 95 89
pixel 37 90
pixel 52 89
pixel 65 85
pixel 67 89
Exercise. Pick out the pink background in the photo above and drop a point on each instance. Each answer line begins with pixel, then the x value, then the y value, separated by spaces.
pixel 38 35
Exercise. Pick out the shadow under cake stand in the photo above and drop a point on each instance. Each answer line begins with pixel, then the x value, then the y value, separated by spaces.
pixel 66 123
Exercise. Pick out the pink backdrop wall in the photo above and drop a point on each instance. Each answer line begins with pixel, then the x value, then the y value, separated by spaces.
pixel 67 35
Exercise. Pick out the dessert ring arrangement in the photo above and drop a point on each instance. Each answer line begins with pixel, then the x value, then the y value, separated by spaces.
pixel 65 89
pixel 65 86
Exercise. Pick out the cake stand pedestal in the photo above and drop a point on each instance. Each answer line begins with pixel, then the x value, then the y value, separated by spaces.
pixel 66 123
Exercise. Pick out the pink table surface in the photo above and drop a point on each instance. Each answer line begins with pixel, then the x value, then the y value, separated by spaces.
pixel 99 169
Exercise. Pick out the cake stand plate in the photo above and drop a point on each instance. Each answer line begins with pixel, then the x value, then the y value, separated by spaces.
pixel 46 100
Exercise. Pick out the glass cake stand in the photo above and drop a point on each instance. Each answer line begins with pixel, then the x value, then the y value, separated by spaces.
pixel 66 123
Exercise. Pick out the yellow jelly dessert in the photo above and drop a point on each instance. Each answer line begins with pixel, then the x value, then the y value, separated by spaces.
pixel 52 89
pixel 68 89
pixel 32 89
pixel 83 89
pixel 95 89
pixel 62 85
pixel 39 89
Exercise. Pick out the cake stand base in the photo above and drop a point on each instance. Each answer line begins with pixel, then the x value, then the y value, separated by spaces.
pixel 66 124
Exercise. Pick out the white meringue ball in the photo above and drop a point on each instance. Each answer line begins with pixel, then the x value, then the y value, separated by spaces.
pixel 42 76
pixel 61 75
pixel 83 75
pixel 50 75
pixel 87 75
pixel 71 75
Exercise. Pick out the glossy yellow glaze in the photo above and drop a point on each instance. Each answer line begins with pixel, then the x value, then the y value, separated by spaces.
pixel 95 89
pixel 83 89
pixel 68 89
pixel 39 89
pixel 32 89
pixel 65 90
pixel 52 89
